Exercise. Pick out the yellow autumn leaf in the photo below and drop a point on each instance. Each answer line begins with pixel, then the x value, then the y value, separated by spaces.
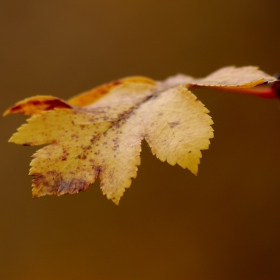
pixel 99 132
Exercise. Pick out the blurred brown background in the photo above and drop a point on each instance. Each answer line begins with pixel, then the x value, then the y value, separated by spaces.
pixel 222 224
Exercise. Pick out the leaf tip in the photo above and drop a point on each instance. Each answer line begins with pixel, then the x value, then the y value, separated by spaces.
pixel 116 201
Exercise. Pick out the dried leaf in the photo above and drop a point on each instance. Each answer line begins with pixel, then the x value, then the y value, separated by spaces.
pixel 99 132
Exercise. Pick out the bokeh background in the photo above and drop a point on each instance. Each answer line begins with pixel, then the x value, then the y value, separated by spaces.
pixel 222 224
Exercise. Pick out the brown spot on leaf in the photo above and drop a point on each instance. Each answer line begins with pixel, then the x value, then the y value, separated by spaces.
pixel 173 124
pixel 27 144
pixel 35 105
pixel 75 136
pixel 116 143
